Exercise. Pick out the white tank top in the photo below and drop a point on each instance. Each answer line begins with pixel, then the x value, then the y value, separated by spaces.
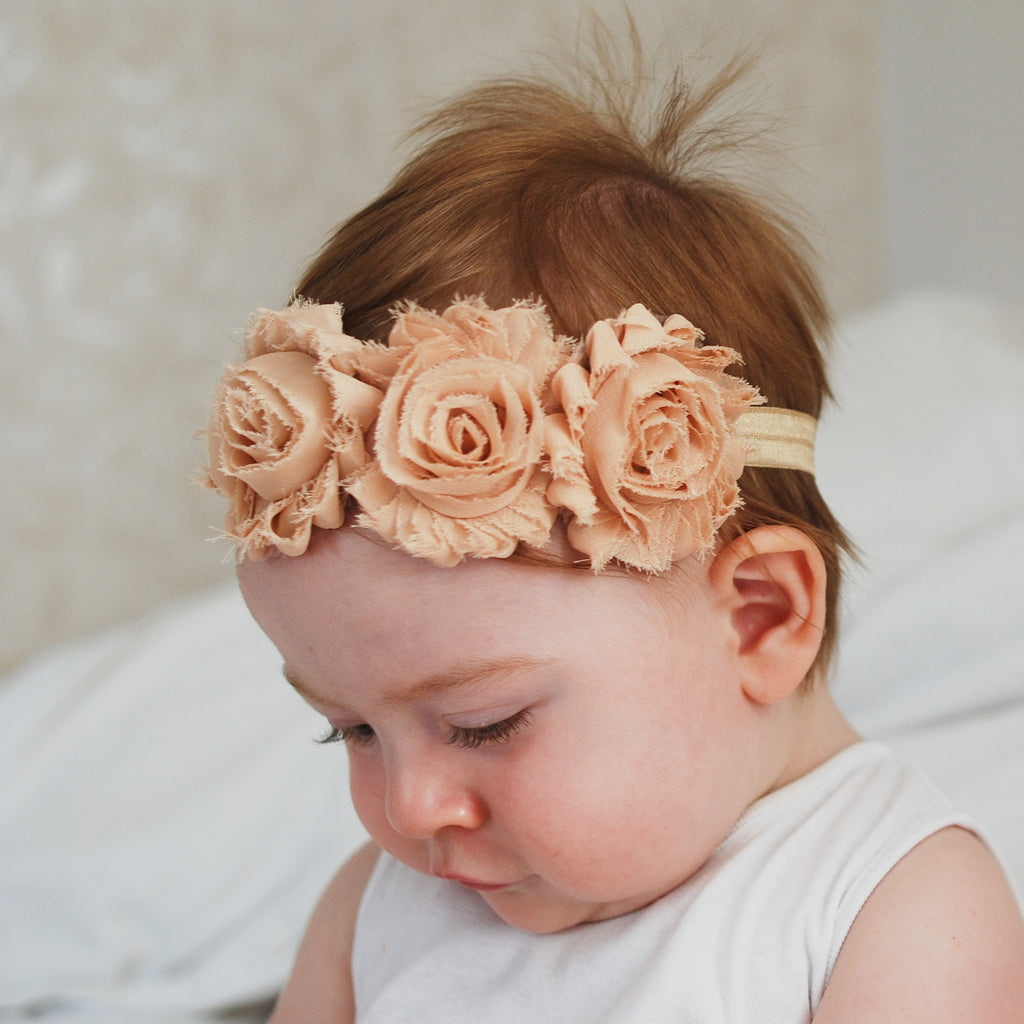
pixel 753 936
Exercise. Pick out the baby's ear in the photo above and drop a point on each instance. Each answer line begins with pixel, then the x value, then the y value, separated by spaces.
pixel 772 581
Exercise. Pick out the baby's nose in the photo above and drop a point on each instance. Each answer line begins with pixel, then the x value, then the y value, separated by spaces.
pixel 423 798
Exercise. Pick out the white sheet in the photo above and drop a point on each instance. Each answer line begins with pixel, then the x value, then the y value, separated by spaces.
pixel 171 823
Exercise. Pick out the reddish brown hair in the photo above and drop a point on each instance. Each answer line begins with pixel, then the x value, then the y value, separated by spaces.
pixel 527 188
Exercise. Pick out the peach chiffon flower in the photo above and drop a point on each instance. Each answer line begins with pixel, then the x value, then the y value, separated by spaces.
pixel 473 429
pixel 643 454
pixel 289 426
pixel 459 438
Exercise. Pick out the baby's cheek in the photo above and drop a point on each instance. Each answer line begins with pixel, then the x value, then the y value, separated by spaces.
pixel 555 815
pixel 583 837
pixel 368 788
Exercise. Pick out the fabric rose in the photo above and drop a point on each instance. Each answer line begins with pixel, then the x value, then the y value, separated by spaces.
pixel 642 452
pixel 289 426
pixel 460 434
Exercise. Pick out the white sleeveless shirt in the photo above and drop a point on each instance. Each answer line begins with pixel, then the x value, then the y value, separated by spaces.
pixel 752 936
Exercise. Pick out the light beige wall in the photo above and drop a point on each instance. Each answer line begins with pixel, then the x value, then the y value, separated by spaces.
pixel 953 96
pixel 165 168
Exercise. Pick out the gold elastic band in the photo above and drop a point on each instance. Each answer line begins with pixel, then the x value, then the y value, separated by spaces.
pixel 778 438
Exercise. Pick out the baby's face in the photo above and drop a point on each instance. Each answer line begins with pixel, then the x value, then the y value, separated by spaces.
pixel 570 746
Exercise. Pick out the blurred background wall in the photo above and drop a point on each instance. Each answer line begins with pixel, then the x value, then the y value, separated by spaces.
pixel 166 168
pixel 952 127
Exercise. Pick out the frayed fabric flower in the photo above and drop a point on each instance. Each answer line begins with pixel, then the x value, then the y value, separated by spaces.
pixel 644 453
pixel 474 429
pixel 460 436
pixel 290 424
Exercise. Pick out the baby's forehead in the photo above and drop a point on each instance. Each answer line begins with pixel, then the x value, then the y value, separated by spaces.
pixel 354 572
pixel 355 620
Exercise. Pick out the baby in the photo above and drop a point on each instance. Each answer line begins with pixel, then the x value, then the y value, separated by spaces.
pixel 522 485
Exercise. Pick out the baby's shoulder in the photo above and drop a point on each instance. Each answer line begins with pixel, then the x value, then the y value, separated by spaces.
pixel 940 938
pixel 320 986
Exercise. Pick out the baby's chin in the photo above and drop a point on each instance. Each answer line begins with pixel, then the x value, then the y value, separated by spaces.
pixel 529 913
pixel 533 907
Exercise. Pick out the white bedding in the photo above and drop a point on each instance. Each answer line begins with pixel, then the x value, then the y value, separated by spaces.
pixel 166 821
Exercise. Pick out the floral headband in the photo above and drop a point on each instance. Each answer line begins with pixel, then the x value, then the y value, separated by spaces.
pixel 472 430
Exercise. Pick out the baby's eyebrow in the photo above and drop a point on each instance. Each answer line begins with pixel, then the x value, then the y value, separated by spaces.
pixel 463 674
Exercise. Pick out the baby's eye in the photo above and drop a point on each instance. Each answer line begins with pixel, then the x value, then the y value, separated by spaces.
pixel 496 732
pixel 354 734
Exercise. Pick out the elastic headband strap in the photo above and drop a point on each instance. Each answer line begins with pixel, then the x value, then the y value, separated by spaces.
pixel 778 438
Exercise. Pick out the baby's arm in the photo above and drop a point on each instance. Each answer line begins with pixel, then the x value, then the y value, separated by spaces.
pixel 940 939
pixel 320 986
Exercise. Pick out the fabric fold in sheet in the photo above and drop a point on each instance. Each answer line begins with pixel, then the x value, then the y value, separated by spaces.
pixel 167 824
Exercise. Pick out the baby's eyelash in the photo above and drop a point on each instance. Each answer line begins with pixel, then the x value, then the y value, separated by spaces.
pixel 351 734
pixel 496 732
pixel 458 736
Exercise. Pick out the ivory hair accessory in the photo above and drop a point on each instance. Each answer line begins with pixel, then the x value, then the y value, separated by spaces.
pixel 473 429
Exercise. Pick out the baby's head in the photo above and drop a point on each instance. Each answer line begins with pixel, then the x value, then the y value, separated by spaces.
pixel 523 190
pixel 537 516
